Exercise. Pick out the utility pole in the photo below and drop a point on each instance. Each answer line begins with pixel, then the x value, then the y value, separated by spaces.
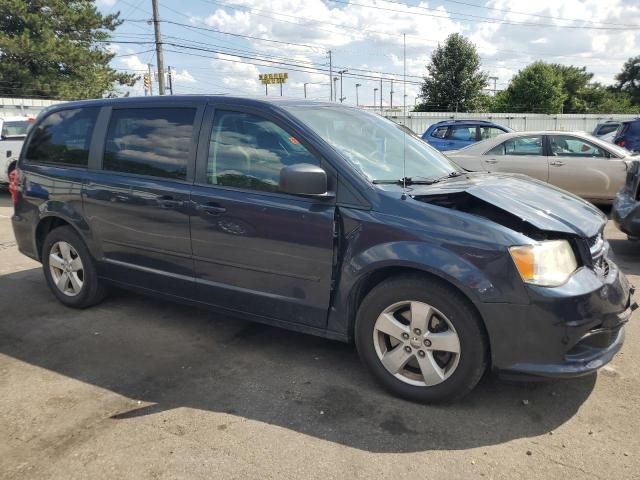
pixel 380 95
pixel 357 102
pixel 159 55
pixel 391 95
pixel 404 75
pixel 335 89
pixel 341 72
pixel 170 78
pixel 375 90
pixel 305 89
pixel 280 88
pixel 150 80
pixel 330 77
pixel 495 84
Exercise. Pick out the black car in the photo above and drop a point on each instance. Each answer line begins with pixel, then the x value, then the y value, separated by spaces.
pixel 324 219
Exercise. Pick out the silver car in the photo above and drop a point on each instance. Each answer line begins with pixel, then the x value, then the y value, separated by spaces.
pixel 577 162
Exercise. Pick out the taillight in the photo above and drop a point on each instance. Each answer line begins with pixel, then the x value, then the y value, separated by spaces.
pixel 13 185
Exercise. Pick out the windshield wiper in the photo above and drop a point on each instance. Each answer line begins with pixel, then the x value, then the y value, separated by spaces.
pixel 419 180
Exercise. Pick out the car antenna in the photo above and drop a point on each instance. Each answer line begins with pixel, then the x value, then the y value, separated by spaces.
pixel 404 110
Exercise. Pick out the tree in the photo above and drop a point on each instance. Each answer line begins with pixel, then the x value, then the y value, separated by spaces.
pixel 455 81
pixel 628 80
pixel 575 81
pixel 56 49
pixel 536 88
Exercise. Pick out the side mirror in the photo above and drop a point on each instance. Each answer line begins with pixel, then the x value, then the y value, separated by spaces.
pixel 303 179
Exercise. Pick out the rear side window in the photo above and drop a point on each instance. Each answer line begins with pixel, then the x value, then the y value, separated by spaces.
pixel 14 128
pixel 150 141
pixel 63 137
pixel 607 128
pixel 518 146
pixel 459 132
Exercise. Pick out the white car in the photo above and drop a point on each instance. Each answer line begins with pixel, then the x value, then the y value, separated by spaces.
pixel 13 131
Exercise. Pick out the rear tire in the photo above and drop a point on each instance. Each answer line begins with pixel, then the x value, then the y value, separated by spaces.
pixel 70 269
pixel 421 339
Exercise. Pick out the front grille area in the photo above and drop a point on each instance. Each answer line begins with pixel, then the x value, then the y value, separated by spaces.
pixel 597 250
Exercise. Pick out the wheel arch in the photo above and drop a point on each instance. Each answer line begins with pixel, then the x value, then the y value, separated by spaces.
pixel 375 277
pixel 49 223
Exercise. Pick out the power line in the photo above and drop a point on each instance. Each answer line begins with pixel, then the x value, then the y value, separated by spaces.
pixel 476 18
pixel 534 14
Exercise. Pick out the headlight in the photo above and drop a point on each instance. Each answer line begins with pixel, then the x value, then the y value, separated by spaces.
pixel 549 263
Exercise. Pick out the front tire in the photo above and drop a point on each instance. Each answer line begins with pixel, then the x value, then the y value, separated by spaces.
pixel 70 270
pixel 421 339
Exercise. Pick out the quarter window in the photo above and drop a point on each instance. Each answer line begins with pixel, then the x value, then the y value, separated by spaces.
pixel 150 141
pixel 519 146
pixel 568 146
pixel 248 151
pixel 63 137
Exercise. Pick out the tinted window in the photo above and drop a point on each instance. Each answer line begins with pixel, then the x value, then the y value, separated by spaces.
pixel 64 137
pixel 568 146
pixel 440 132
pixel 150 141
pixel 489 132
pixel 519 146
pixel 248 151
pixel 607 128
pixel 459 132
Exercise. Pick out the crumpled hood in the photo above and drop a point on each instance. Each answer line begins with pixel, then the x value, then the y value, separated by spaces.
pixel 539 204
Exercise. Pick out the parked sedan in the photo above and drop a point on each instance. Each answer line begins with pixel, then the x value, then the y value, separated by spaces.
pixel 577 162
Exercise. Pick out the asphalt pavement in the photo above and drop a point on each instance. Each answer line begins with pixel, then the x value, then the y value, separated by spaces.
pixel 147 389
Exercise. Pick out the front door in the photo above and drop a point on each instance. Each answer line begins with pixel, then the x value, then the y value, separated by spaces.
pixel 583 168
pixel 137 203
pixel 255 249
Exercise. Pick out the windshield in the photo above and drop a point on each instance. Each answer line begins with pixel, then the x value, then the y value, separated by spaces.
pixel 374 146
pixel 15 128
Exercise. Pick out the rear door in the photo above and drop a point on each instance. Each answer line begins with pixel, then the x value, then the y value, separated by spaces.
pixel 523 154
pixel 584 168
pixel 136 196
pixel 460 136
pixel 255 249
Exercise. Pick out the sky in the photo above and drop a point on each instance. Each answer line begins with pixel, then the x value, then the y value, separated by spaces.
pixel 232 39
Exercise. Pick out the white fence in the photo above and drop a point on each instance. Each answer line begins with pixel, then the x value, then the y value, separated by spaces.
pixel 10 107
pixel 420 121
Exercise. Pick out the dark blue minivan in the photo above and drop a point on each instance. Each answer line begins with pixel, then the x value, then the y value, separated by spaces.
pixel 325 219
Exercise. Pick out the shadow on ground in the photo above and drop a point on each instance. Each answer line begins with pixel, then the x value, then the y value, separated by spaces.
pixel 177 356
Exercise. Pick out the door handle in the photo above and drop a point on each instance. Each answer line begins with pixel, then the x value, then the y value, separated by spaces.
pixel 557 163
pixel 491 161
pixel 167 201
pixel 211 208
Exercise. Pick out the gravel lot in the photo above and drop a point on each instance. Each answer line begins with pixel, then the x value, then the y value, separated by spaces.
pixel 141 388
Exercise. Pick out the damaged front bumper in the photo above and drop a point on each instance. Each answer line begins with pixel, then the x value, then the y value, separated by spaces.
pixel 626 213
pixel 565 331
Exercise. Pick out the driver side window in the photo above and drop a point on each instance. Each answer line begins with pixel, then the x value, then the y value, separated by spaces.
pixel 248 151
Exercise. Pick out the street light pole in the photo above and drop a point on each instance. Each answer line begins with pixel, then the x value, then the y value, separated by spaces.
pixel 340 72
pixel 357 102
pixel 375 90
pixel 305 89
pixel 335 88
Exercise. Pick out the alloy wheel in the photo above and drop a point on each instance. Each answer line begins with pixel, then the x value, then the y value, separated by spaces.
pixel 416 343
pixel 66 268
